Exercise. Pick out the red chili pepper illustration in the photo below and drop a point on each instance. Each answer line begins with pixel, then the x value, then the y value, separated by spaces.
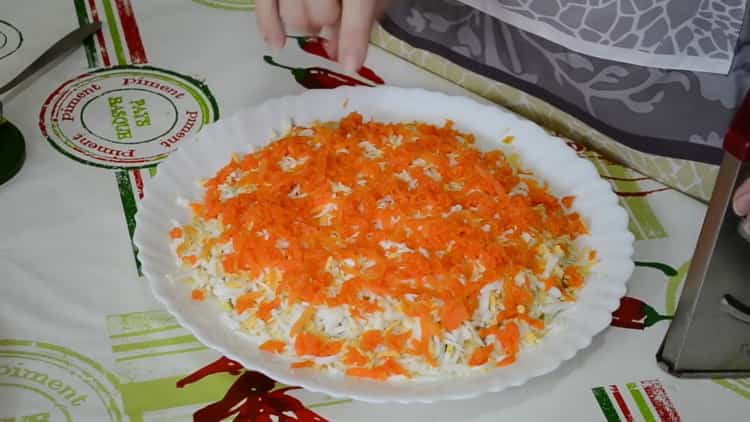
pixel 625 179
pixel 575 147
pixel 316 46
pixel 664 268
pixel 584 152
pixel 317 77
pixel 251 398
pixel 635 314
pixel 220 365
pixel 644 193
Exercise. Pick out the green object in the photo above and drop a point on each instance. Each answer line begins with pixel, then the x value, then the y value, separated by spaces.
pixel 648 416
pixel 12 151
pixel 666 269
pixel 608 408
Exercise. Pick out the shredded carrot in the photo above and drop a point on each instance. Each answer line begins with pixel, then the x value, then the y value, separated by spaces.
pixel 506 315
pixel 453 313
pixel 428 328
pixel 353 357
pixel 422 348
pixel 551 282
pixel 378 373
pixel 381 372
pixel 313 345
pixel 273 346
pixel 182 247
pixel 573 277
pixel 509 337
pixel 567 201
pixel 302 364
pixel 394 368
pixel 396 342
pixel 371 339
pixel 265 308
pixel 347 214
pixel 303 319
pixel 509 360
pixel 533 322
pixel 490 331
pixel 196 208
pixel 197 295
pixel 229 264
pixel 481 355
pixel 246 301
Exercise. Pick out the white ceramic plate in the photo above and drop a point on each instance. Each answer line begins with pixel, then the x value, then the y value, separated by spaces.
pixel 547 156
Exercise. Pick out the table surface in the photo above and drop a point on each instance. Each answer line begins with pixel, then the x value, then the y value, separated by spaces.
pixel 82 338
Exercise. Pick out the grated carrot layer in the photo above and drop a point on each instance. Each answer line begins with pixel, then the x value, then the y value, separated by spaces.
pixel 352 213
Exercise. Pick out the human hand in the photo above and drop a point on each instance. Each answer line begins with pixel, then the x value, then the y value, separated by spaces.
pixel 742 203
pixel 347 24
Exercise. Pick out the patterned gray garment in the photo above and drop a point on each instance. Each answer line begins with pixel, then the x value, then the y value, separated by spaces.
pixel 697 35
pixel 677 113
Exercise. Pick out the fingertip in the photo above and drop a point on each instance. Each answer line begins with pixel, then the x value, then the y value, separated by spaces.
pixel 296 18
pixel 275 42
pixel 350 62
pixel 331 47
pixel 351 56
pixel 352 52
pixel 744 228
pixel 269 23
pixel 331 43
pixel 742 204
pixel 356 23
pixel 324 13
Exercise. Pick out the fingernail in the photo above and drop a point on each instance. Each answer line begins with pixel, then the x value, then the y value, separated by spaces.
pixel 744 229
pixel 275 44
pixel 349 63
pixel 742 204
pixel 330 49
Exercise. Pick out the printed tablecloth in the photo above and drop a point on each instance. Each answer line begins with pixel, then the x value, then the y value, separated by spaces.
pixel 81 337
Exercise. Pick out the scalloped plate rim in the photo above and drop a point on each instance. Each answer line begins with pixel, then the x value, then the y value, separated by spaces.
pixel 159 283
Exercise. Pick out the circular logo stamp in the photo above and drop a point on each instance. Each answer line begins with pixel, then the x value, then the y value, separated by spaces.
pixel 229 4
pixel 10 39
pixel 46 382
pixel 125 116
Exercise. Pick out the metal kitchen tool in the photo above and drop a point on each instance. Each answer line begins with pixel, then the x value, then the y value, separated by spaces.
pixel 12 146
pixel 710 334
pixel 65 44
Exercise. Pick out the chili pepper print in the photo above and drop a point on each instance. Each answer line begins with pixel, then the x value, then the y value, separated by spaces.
pixel 316 46
pixel 317 77
pixel 635 314
pixel 220 365
pixel 625 179
pixel 585 153
pixel 251 398
pixel 664 268
pixel 641 194
pixel 249 386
